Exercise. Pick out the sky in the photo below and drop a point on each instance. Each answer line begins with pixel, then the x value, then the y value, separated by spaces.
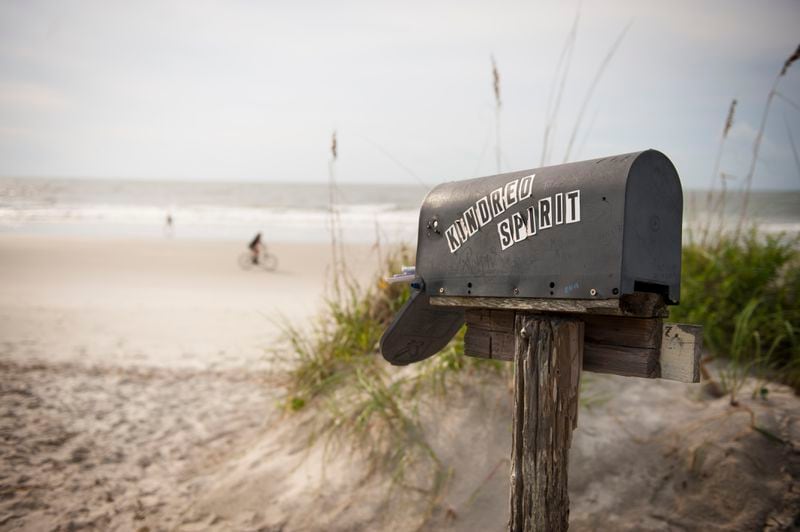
pixel 247 90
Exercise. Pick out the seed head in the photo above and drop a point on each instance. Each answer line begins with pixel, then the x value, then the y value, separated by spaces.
pixel 496 79
pixel 729 120
pixel 792 58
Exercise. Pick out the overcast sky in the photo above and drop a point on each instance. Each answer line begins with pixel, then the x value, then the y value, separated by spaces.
pixel 252 90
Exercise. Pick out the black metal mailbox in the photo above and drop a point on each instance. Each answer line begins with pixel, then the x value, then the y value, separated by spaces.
pixel 595 229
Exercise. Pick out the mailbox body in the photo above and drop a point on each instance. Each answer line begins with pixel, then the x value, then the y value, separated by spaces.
pixel 588 230
pixel 595 229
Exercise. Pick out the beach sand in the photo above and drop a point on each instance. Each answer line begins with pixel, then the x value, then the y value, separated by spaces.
pixel 167 303
pixel 128 365
pixel 139 391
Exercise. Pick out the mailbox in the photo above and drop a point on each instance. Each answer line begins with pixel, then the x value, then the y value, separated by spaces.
pixel 590 230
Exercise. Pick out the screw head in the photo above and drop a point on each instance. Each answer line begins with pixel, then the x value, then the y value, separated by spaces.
pixel 593 292
pixel 516 291
pixel 441 290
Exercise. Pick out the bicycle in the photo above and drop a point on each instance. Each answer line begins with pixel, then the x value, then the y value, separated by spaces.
pixel 265 260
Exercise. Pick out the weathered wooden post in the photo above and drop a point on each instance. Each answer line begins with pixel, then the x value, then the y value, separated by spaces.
pixel 547 369
pixel 557 269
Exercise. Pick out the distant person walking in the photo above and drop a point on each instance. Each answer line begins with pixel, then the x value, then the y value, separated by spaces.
pixel 169 229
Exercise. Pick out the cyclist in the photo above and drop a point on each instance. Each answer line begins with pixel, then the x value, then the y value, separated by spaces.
pixel 255 247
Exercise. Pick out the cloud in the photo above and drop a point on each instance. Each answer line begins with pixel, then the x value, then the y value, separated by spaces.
pixel 240 89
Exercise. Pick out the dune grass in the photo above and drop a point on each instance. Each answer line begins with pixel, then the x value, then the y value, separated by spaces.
pixel 742 287
pixel 361 399
pixel 746 293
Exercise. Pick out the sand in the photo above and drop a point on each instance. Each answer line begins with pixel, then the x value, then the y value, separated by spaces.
pixel 129 365
pixel 139 391
pixel 169 303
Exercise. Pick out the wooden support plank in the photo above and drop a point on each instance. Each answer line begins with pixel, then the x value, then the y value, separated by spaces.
pixel 504 344
pixel 680 352
pixel 618 360
pixel 635 347
pixel 598 358
pixel 491 319
pixel 478 342
pixel 489 344
pixel 608 330
pixel 628 332
pixel 547 368
pixel 490 333
pixel 541 305
pixel 641 304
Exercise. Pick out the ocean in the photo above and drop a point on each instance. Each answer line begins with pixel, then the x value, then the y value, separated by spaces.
pixel 283 212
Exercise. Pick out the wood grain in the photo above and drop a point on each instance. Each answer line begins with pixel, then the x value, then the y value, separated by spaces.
pixel 617 360
pixel 680 352
pixel 630 346
pixel 623 331
pixel 547 368
pixel 489 344
pixel 641 304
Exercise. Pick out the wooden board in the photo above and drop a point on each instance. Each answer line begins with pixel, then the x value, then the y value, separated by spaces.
pixel 618 360
pixel 630 332
pixel 680 352
pixel 489 344
pixel 634 347
pixel 641 304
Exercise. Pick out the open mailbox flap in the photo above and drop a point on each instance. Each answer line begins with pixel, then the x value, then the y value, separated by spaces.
pixel 419 330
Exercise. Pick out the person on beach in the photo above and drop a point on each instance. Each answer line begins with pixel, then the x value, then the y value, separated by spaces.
pixel 169 230
pixel 255 247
